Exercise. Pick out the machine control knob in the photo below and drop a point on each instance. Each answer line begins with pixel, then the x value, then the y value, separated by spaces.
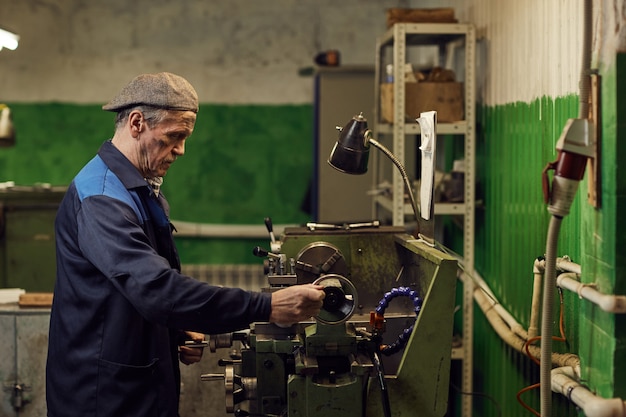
pixel 260 252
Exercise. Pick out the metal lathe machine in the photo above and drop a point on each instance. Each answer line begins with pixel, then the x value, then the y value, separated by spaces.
pixel 381 344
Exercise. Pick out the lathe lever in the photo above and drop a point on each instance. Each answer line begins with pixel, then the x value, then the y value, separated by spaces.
pixel 345 226
pixel 212 377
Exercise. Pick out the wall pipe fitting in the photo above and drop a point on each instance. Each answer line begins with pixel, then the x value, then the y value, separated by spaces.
pixel 539 266
pixel 563 264
pixel 607 302
pixel 565 382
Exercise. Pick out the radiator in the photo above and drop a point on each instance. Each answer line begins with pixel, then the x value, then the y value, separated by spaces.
pixel 247 277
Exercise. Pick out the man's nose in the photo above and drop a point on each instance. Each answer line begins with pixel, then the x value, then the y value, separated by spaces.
pixel 179 149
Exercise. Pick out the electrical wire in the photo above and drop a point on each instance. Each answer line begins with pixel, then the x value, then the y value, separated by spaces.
pixel 523 404
pixel 480 394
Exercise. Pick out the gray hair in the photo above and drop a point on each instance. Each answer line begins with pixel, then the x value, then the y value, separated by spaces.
pixel 152 115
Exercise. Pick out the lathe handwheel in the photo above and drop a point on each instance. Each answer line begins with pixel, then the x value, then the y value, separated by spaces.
pixel 340 301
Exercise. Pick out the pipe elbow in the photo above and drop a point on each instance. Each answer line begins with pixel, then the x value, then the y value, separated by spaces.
pixel 600 407
pixel 613 304
pixel 565 381
pixel 539 266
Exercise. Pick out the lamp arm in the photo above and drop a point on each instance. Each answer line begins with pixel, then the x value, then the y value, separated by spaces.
pixel 400 167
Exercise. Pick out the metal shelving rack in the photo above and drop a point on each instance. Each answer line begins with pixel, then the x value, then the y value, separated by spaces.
pixel 400 37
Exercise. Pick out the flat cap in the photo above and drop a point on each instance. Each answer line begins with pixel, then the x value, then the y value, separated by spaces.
pixel 164 90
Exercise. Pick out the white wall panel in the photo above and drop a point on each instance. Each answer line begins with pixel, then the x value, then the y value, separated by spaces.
pixel 533 48
pixel 235 51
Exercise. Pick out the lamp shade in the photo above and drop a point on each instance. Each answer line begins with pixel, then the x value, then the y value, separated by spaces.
pixel 351 152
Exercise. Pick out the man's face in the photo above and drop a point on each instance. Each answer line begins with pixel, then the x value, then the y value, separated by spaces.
pixel 163 143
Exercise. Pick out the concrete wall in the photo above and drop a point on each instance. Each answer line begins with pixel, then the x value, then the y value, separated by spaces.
pixel 235 51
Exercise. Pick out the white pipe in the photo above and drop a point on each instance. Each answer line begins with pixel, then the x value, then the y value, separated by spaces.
pixel 513 324
pixel 513 340
pixel 565 382
pixel 563 264
pixel 189 229
pixel 535 306
pixel 609 303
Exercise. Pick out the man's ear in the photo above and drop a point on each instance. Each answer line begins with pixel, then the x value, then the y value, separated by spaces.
pixel 136 123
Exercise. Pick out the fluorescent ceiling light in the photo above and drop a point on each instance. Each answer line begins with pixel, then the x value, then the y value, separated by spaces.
pixel 8 40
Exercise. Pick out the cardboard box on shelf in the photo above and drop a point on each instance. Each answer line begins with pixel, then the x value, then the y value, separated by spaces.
pixel 446 98
pixel 434 15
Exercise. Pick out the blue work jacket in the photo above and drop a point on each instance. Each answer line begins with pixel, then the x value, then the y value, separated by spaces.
pixel 120 301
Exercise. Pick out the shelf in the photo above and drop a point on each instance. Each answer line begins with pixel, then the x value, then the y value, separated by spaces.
pixel 426 33
pixel 456 128
pixel 440 208
pixel 449 39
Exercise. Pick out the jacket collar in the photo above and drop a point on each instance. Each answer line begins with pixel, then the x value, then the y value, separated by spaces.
pixel 121 166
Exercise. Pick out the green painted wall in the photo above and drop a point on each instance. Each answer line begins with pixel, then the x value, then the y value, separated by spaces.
pixel 516 141
pixel 242 164
pixel 603 335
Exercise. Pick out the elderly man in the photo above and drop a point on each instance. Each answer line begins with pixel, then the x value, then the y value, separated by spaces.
pixel 121 306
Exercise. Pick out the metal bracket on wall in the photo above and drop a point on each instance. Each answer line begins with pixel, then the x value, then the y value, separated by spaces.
pixel 18 399
pixel 594 183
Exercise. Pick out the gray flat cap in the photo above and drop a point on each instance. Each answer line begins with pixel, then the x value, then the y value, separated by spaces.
pixel 164 90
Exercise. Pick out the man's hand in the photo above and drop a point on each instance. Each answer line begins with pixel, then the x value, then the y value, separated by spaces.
pixel 296 303
pixel 189 355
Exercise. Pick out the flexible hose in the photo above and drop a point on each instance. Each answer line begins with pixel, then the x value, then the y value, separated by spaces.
pixel 555 224
pixel 403 174
pixel 549 282
pixel 403 338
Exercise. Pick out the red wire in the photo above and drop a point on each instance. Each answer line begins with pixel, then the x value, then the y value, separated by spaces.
pixel 527 349
pixel 523 404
